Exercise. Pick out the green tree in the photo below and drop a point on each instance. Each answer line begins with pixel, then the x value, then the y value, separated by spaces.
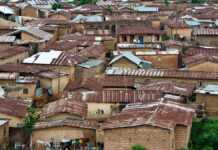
pixel 56 6
pixel 166 2
pixel 82 2
pixel 30 120
pixel 198 1
pixel 138 147
pixel 204 135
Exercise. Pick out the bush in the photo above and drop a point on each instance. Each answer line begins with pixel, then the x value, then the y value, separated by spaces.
pixel 204 135
pixel 138 147
pixel 30 120
pixel 56 6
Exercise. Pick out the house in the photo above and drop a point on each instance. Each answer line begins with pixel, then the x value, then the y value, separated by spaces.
pixel 129 60
pixel 56 27
pixel 103 82
pixel 138 34
pixel 7 41
pixel 63 62
pixel 4 134
pixel 31 82
pixel 33 36
pixel 7 26
pixel 173 88
pixel 206 36
pixel 206 96
pixel 200 62
pixel 13 54
pixel 90 68
pixel 54 82
pixel 66 132
pixel 60 15
pixel 6 11
pixel 63 122
pixel 104 103
pixel 157 126
pixel 63 108
pixel 30 11
pixel 15 111
pixel 179 28
pixel 197 77
pixel 108 42
pixel 161 59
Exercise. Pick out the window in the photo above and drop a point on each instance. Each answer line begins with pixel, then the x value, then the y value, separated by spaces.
pixel 100 112
pixel 5 131
pixel 124 38
pixel 141 39
pixel 25 91
pixel 132 37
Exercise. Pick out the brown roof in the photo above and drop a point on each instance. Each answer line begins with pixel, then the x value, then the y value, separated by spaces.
pixel 175 23
pixel 205 32
pixel 88 8
pixel 162 73
pixel 11 51
pixel 68 59
pixel 66 45
pixel 78 123
pixel 65 105
pixel 199 58
pixel 48 21
pixel 102 82
pixel 17 108
pixel 201 50
pixel 86 83
pixel 78 37
pixel 171 87
pixel 94 51
pixel 164 115
pixel 22 68
pixel 138 30
pixel 118 96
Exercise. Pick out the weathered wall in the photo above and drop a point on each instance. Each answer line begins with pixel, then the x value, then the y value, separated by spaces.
pixel 29 11
pixel 124 63
pixel 163 61
pixel 60 133
pixel 151 137
pixel 206 67
pixel 181 136
pixel 14 59
pixel 210 102
pixel 13 121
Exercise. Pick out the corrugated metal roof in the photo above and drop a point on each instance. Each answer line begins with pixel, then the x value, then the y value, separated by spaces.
pixel 93 18
pixel 162 73
pixel 208 89
pixel 205 31
pixel 7 39
pixel 118 96
pixel 143 8
pixel 65 105
pixel 91 63
pixel 128 55
pixel 2 122
pixel 163 115
pixel 192 23
pixel 6 10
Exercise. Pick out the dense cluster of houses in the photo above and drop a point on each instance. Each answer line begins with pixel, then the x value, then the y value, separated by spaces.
pixel 106 76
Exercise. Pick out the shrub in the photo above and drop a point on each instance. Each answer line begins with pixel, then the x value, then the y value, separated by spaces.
pixel 138 147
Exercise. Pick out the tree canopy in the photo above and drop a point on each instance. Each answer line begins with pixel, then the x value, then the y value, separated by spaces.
pixel 30 120
pixel 198 1
pixel 82 2
pixel 204 135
